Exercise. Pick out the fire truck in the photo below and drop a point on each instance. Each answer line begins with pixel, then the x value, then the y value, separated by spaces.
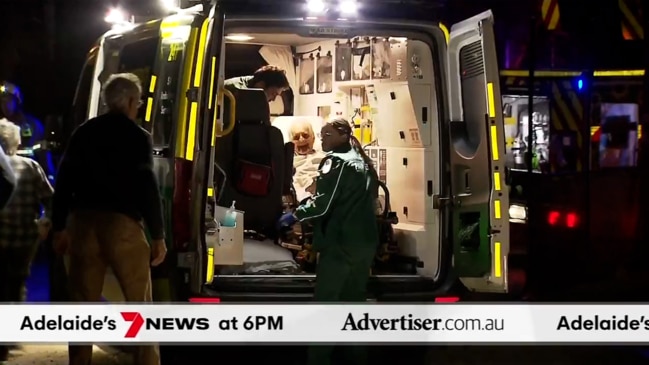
pixel 424 100
pixel 584 140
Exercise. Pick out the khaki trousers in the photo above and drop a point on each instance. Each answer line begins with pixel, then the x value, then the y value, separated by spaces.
pixel 99 240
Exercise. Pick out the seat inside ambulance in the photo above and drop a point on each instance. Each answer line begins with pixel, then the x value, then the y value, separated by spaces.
pixel 253 170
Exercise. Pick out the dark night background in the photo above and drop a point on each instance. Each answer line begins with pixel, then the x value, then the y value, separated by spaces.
pixel 43 42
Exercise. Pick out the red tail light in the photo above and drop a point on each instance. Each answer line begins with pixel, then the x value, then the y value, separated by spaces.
pixel 571 220
pixel 447 299
pixel 181 204
pixel 553 217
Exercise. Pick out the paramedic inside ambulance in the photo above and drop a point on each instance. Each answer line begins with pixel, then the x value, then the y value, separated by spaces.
pixel 32 132
pixel 270 78
pixel 342 212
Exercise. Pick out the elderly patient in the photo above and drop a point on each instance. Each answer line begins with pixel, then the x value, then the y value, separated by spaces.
pixel 22 224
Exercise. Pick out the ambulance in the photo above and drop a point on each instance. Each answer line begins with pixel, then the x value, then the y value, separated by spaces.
pixel 424 100
pixel 585 139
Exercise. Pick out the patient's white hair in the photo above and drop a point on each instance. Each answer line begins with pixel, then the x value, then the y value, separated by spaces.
pixel 120 89
pixel 9 137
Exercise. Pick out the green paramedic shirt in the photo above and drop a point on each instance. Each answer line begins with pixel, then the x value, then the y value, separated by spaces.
pixel 343 209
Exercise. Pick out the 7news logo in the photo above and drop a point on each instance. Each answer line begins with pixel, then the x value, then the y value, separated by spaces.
pixel 162 323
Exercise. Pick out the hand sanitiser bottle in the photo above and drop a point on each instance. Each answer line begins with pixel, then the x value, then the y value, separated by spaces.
pixel 230 217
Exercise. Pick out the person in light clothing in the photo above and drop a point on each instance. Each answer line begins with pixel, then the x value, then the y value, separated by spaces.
pixel 23 221
pixel 7 179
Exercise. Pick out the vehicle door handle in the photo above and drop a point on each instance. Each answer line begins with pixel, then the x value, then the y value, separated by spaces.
pixel 462 195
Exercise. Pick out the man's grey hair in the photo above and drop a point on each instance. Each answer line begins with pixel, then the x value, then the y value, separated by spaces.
pixel 9 137
pixel 119 89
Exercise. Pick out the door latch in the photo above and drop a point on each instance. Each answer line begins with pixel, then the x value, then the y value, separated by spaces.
pixel 440 202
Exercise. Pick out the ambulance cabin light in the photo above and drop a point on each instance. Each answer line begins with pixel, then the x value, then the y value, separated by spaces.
pixel 343 8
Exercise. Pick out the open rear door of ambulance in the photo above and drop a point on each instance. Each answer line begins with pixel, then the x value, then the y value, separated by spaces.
pixel 479 196
pixel 207 82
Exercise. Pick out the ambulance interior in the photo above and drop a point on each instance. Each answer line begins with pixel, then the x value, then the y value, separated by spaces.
pixel 384 86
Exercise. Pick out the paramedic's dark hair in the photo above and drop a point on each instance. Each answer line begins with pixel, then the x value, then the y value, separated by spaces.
pixel 272 76
pixel 343 127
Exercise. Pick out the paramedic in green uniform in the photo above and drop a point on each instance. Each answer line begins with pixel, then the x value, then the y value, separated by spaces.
pixel 270 78
pixel 344 224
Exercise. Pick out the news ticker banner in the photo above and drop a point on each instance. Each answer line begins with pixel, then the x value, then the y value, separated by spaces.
pixel 313 323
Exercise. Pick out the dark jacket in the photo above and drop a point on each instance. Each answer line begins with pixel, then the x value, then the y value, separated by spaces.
pixel 7 179
pixel 343 209
pixel 108 166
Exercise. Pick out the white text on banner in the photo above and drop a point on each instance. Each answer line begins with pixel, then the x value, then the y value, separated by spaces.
pixel 312 323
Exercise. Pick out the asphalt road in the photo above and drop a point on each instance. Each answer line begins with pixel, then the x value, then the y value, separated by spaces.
pixel 413 355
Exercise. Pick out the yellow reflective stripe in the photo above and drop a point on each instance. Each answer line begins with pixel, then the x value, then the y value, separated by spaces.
pixel 497 209
pixel 201 54
pixel 523 73
pixel 491 99
pixel 209 274
pixel 154 79
pixel 191 135
pixel 498 269
pixel 212 79
pixel 210 192
pixel 182 107
pixel 617 73
pixel 497 181
pixel 149 109
pixel 447 34
pixel 494 143
pixel 631 18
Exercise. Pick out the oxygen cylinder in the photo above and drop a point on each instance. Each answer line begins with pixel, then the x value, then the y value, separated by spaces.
pixel 358 129
pixel 366 132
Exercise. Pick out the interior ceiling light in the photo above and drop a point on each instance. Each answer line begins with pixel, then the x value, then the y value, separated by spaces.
pixel 239 37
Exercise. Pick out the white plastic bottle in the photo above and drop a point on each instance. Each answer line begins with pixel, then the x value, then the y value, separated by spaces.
pixel 230 217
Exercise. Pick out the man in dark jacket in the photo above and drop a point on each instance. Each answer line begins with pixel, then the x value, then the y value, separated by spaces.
pixel 7 179
pixel 106 193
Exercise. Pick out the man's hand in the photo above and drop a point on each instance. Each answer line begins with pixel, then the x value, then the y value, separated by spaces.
pixel 158 252
pixel 61 242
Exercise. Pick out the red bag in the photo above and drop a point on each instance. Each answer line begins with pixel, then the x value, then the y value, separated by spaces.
pixel 253 179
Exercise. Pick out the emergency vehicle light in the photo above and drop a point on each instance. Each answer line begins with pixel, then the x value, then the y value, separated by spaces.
pixel 115 16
